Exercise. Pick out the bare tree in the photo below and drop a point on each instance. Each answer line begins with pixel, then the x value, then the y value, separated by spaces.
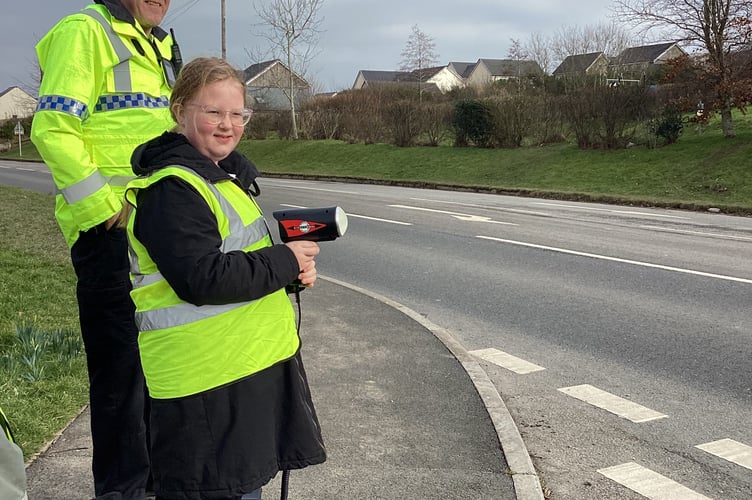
pixel 609 38
pixel 717 27
pixel 418 54
pixel 292 28
pixel 538 48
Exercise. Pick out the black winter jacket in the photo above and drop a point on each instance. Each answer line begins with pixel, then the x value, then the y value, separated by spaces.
pixel 232 439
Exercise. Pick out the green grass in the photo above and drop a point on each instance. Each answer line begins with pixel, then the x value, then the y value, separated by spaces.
pixel 43 379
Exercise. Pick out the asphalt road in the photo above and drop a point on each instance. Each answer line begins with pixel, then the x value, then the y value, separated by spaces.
pixel 618 337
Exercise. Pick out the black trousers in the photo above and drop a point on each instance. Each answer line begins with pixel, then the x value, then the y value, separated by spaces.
pixel 117 394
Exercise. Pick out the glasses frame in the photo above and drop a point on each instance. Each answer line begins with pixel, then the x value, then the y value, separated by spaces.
pixel 207 111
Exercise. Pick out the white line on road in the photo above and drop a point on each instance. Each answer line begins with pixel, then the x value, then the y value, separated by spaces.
pixel 616 259
pixel 627 212
pixel 355 216
pixel 698 233
pixel 485 207
pixel 648 483
pixel 730 450
pixel 612 403
pixel 507 361
pixel 464 217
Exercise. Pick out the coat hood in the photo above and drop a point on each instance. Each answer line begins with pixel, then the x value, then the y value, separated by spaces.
pixel 172 148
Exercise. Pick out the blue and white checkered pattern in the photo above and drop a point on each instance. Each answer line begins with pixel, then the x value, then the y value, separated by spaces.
pixel 114 102
pixel 63 104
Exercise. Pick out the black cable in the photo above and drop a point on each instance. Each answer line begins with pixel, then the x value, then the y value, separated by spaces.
pixel 285 481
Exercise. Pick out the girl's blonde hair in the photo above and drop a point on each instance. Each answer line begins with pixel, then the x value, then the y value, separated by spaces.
pixel 199 73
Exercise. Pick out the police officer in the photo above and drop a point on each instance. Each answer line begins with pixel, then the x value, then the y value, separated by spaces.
pixel 106 79
pixel 13 472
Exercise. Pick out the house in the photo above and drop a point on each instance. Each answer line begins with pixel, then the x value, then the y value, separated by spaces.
pixel 463 69
pixel 592 64
pixel 640 62
pixel 437 79
pixel 16 103
pixel 268 86
pixel 488 71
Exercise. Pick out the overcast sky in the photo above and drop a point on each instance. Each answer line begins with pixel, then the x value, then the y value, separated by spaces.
pixel 356 35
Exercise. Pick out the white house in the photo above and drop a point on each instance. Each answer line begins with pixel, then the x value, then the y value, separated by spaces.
pixel 16 103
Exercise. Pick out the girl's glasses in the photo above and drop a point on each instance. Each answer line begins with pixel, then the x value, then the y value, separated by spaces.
pixel 238 117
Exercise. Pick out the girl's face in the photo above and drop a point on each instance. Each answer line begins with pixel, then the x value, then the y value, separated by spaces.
pixel 213 122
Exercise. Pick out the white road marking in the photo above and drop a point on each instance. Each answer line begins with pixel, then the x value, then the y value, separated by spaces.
pixel 628 212
pixel 296 185
pixel 355 216
pixel 730 450
pixel 698 233
pixel 648 483
pixel 456 215
pixel 507 361
pixel 485 207
pixel 612 403
pixel 616 259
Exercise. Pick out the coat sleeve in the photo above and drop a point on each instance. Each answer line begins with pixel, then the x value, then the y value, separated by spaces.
pixel 180 232
pixel 73 64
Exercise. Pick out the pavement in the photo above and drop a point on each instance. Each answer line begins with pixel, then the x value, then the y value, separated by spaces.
pixel 406 413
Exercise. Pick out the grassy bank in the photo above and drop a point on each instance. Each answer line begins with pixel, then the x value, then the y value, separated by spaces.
pixel 42 366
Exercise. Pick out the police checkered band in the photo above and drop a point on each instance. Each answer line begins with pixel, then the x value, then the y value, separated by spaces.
pixel 121 101
pixel 63 104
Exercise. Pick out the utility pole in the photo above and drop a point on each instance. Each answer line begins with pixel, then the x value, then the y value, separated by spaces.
pixel 224 36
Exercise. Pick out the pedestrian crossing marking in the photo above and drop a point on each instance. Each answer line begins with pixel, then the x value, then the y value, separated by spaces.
pixel 507 361
pixel 648 483
pixel 730 450
pixel 612 403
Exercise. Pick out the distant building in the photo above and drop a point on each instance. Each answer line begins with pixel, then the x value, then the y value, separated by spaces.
pixel 16 103
pixel 487 71
pixel 639 63
pixel 268 86
pixel 592 64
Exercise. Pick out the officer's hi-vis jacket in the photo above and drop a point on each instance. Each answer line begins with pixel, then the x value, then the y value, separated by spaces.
pixel 105 89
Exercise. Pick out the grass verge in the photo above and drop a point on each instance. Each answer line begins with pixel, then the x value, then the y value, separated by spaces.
pixel 43 379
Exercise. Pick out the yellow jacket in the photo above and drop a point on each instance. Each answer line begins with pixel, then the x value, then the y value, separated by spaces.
pixel 104 91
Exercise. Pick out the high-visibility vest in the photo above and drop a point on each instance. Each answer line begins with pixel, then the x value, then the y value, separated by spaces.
pixel 12 470
pixel 103 92
pixel 5 425
pixel 186 349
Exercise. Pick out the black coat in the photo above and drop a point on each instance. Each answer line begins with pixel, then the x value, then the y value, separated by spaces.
pixel 235 438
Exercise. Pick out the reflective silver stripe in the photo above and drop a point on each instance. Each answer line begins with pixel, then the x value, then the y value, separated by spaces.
pixel 140 280
pixel 120 180
pixel 180 314
pixel 84 188
pixel 122 70
pixel 240 236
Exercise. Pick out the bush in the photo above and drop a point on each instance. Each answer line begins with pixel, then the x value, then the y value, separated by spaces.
pixel 671 125
pixel 473 121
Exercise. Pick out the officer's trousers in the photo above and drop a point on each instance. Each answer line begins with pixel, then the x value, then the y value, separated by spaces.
pixel 116 383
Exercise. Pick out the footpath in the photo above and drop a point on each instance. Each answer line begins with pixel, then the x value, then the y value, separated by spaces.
pixel 406 414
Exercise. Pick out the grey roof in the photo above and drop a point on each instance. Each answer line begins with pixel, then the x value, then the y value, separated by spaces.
pixel 578 63
pixel 419 74
pixel 255 70
pixel 643 54
pixel 463 68
pixel 511 67
pixel 381 76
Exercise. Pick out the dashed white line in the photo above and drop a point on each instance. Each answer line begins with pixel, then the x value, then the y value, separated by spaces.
pixel 617 259
pixel 612 403
pixel 505 360
pixel 730 450
pixel 648 483
pixel 698 233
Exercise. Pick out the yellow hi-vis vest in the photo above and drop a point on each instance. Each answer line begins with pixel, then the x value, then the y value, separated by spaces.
pixel 187 349
pixel 103 92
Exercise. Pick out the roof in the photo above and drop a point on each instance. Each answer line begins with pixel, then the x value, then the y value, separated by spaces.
pixel 422 74
pixel 578 63
pixel 643 54
pixel 510 67
pixel 254 71
pixel 381 76
pixel 463 68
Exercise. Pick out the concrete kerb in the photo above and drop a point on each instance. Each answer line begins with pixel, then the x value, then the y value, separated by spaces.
pixel 526 483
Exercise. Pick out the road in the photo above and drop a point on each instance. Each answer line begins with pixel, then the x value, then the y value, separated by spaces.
pixel 618 337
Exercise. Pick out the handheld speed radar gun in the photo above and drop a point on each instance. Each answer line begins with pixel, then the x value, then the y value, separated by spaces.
pixel 311 224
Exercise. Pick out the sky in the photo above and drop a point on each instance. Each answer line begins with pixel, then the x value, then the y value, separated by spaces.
pixel 355 35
